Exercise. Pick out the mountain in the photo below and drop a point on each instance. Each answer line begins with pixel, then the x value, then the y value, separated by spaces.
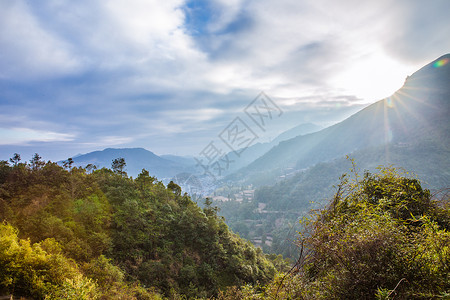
pixel 104 235
pixel 415 116
pixel 409 130
pixel 136 159
pixel 302 129
pixel 187 161
pixel 257 150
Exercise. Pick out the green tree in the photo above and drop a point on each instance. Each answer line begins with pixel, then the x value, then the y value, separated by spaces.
pixel 175 188
pixel 129 236
pixel 118 166
pixel 36 162
pixel 39 270
pixel 15 159
pixel 68 163
pixel 381 234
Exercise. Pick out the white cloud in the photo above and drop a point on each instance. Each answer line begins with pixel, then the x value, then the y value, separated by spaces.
pixel 322 46
pixel 117 68
pixel 192 115
pixel 21 136
pixel 28 50
pixel 144 28
pixel 113 140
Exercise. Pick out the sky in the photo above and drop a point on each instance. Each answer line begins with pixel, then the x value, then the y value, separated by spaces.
pixel 172 75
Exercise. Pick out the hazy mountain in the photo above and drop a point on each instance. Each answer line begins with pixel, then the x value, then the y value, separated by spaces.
pixel 414 116
pixel 255 151
pixel 168 166
pixel 409 130
pixel 182 160
pixel 136 159
pixel 430 162
pixel 302 129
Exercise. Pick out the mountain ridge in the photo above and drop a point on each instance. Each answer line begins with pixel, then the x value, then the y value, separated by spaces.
pixel 136 160
pixel 168 165
pixel 399 118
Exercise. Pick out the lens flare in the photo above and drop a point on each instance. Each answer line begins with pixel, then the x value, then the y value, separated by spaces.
pixel 440 63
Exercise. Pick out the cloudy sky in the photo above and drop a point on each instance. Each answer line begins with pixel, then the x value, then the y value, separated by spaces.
pixel 79 76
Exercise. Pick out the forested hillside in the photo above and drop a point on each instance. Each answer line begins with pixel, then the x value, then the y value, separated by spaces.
pixel 382 236
pixel 69 233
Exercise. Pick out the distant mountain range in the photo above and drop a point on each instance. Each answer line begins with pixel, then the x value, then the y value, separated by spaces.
pixel 255 151
pixel 170 166
pixel 137 159
pixel 415 117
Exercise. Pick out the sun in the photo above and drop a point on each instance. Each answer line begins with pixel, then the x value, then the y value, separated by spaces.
pixel 373 77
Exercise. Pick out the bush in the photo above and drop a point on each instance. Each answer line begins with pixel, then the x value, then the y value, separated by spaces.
pixel 380 232
pixel 381 237
pixel 29 270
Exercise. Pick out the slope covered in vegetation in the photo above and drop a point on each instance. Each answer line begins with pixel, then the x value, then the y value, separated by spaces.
pixel 71 234
pixel 381 237
pixel 104 235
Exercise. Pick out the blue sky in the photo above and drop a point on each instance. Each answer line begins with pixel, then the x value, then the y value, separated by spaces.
pixel 169 76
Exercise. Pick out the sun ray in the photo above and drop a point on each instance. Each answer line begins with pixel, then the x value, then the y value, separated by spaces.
pixel 406 106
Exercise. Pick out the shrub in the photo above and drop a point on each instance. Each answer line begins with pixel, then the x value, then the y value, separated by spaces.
pixel 382 236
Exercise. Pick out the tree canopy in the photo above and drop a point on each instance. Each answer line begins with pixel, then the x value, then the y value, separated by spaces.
pixel 381 237
pixel 105 235
pixel 98 234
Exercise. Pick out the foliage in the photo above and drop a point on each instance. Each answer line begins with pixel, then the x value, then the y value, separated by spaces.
pixel 382 236
pixel 39 270
pixel 118 166
pixel 307 189
pixel 73 234
pixel 115 237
